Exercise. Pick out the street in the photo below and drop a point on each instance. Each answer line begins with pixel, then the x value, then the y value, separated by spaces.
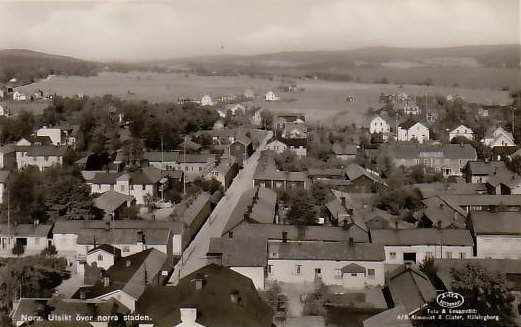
pixel 194 256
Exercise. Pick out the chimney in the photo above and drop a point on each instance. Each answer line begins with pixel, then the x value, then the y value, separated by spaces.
pixel 128 263
pixel 106 281
pixel 284 237
pixel 188 316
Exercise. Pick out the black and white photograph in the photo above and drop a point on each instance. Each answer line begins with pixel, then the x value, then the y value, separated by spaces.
pixel 260 163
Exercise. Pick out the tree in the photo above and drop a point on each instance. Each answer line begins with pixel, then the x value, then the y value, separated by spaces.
pixel 301 210
pixel 484 291
pixel 49 251
pixel 267 119
pixel 18 249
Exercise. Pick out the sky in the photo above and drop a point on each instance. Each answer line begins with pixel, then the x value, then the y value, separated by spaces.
pixel 159 29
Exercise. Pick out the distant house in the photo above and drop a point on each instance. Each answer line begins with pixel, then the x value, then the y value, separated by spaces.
pixel 411 130
pixel 271 96
pixel 414 245
pixel 194 213
pixel 408 107
pixel 236 109
pixel 19 96
pixel 8 157
pixel 440 214
pixel 461 131
pixel 127 279
pixel 352 266
pixel 449 159
pixel 104 255
pixel 484 202
pixel 195 165
pixel 503 182
pixel 276 146
pixel 241 149
pixel 138 184
pixel 281 180
pixel 362 179
pixel 112 203
pixel 345 151
pixel 248 93
pixel 161 160
pixel 256 119
pixel 56 135
pixel 379 125
pixel 498 137
pixel 317 175
pixel 410 288
pixel 483 112
pixel 210 296
pixel 32 237
pixel 281 119
pixel 206 100
pixel 480 171
pixel 498 234
pixel 296 145
pixel 43 156
pixel 294 130
pixel 224 172
pixel 4 111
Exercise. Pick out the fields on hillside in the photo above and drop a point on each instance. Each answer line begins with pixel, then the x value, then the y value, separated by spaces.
pixel 319 100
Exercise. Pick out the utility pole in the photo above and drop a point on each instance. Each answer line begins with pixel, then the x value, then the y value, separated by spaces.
pixel 162 167
pixel 184 161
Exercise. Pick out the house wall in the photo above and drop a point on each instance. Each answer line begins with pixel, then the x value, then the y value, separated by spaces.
pixel 498 246
pixel 256 274
pixel 55 134
pixel 41 162
pixel 285 271
pixel 346 156
pixel 378 125
pixel 193 170
pixel 126 249
pixel 300 151
pixel 418 132
pixel 2 191
pixel 165 165
pixel 276 146
pixel 8 160
pixel 136 191
pixel 449 167
pixel 436 251
pixel 65 244
pixel 106 263
pixel 34 246
pixel 177 244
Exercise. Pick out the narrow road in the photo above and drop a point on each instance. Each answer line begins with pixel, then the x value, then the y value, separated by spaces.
pixel 194 256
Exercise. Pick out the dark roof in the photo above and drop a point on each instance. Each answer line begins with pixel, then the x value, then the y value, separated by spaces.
pixel 294 141
pixel 196 158
pixel 354 171
pixel 241 208
pixel 263 209
pixel 485 168
pixel 129 278
pixel 448 151
pixel 421 236
pixel 159 156
pixel 353 268
pixel 214 307
pixel 270 173
pixel 349 149
pixel 75 226
pixel 107 248
pixel 410 287
pixel 46 150
pixel 438 211
pixel 496 223
pixel 26 230
pixel 306 233
pixel 389 318
pixel 483 199
pixel 326 251
pixel 191 213
pixel 145 176
pixel 239 252
pixel 312 172
pixel 408 124
pixel 123 236
pixel 111 200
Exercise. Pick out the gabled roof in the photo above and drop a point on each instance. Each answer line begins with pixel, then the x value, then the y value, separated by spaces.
pixel 239 252
pixel 483 199
pixel 157 156
pixel 389 318
pixel 212 301
pixel 410 123
pixel 133 278
pixel 355 171
pixel 445 213
pixel 312 172
pixel 111 200
pixel 352 268
pixel 496 223
pixel 273 174
pixel 326 251
pixel 410 287
pixel 485 168
pixel 107 248
pixel 263 209
pixel 191 213
pixel 346 149
pixel 422 236
pixel 196 158
pixel 448 151
pixel 46 150
pixel 26 230
pixel 124 236
pixel 145 176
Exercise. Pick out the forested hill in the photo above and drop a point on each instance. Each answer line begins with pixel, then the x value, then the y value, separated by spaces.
pixel 27 66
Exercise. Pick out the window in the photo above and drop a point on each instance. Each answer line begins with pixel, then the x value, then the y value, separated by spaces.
pixel 46 158
pixel 338 273
pixel 143 187
pixel 448 255
pixel 392 255
pixel 462 255
pixel 126 248
pixel 122 188
pixel 270 269
pixel 100 257
pixel 354 274
pixel 200 168
pixel 370 273
pixel 298 269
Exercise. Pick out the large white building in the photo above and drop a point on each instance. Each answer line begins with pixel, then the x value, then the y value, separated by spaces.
pixel 414 245
pixel 498 137
pixel 41 156
pixel 32 237
pixel 498 234
pixel 461 131
pixel 272 96
pixel 206 100
pixel 410 131
pixel 378 125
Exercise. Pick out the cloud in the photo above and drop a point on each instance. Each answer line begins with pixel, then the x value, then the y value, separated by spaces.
pixel 164 29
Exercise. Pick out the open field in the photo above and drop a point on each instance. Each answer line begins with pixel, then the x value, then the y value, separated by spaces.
pixel 319 100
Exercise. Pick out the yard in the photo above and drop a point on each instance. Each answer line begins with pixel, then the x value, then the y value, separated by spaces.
pixel 320 100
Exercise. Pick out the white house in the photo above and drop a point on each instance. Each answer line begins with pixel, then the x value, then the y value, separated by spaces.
pixel 19 96
pixel 498 234
pixel 410 130
pixel 236 109
pixel 103 255
pixel 42 156
pixel 256 119
pixel 55 134
pixel 411 108
pixel 276 146
pixel 272 96
pixel 378 125
pixel 414 245
pixel 461 131
pixel 32 237
pixel 4 111
pixel 248 93
pixel 206 100
pixel 498 137
pixel 347 264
